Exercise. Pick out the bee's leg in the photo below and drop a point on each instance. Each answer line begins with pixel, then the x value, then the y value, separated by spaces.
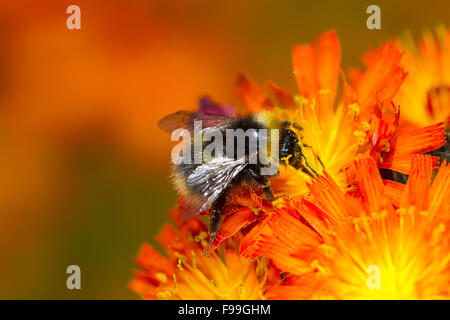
pixel 318 158
pixel 214 221
pixel 308 166
pixel 264 182
pixel 321 163
pixel 268 193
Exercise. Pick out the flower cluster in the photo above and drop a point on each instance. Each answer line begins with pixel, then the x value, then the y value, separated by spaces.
pixel 353 232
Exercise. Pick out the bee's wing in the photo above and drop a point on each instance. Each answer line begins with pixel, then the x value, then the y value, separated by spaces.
pixel 185 120
pixel 209 180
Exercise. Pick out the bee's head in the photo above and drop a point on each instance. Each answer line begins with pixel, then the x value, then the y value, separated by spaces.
pixel 289 147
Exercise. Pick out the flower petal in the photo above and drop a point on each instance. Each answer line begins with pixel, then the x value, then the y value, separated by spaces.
pixel 304 61
pixel 382 78
pixel 418 185
pixel 253 97
pixel 284 97
pixel 328 61
pixel 393 191
pixel 440 192
pixel 232 224
pixel 411 142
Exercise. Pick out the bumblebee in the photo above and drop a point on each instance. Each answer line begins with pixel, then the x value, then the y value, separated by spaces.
pixel 206 185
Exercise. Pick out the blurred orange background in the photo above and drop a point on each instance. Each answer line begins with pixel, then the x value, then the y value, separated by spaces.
pixel 83 166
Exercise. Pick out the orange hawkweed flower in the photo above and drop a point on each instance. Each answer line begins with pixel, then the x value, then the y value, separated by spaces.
pixel 393 147
pixel 346 234
pixel 335 128
pixel 185 273
pixel 380 82
pixel 425 94
pixel 375 240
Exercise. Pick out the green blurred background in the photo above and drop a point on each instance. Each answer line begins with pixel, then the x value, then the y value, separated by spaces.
pixel 83 166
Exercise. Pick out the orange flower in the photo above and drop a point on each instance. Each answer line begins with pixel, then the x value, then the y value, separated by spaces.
pixel 185 273
pixel 328 133
pixel 380 82
pixel 366 243
pixel 323 235
pixel 333 136
pixel 393 147
pixel 425 94
pixel 347 234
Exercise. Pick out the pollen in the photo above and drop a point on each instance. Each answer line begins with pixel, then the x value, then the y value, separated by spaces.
pixel 386 147
pixel 278 202
pixel 354 109
pixel 325 91
pixel 361 135
pixel 300 101
pixel 162 277
pixel 365 125
pixel 164 295
pixel 202 238
pixel 315 265
pixel 286 158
